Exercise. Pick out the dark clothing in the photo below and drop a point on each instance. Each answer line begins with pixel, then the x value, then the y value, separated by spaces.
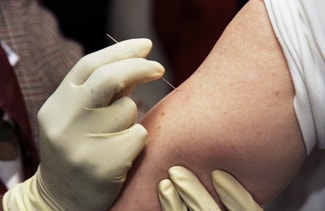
pixel 45 57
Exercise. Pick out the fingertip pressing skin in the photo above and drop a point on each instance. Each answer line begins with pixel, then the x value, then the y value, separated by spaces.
pixel 167 190
pixel 177 173
pixel 164 185
pixel 169 197
pixel 140 130
pixel 232 194
pixel 189 187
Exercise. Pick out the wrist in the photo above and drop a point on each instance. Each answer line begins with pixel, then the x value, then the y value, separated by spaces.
pixel 24 196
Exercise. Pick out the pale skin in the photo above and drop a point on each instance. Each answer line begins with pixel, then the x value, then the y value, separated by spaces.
pixel 234 113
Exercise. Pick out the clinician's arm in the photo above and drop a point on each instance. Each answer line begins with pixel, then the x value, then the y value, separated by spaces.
pixel 234 113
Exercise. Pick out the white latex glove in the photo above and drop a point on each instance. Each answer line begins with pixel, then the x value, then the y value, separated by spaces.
pixel 183 191
pixel 88 135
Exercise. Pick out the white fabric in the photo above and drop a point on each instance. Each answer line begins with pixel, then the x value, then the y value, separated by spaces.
pixel 11 172
pixel 300 28
pixel 12 56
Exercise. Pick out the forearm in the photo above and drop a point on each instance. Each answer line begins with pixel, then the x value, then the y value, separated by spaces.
pixel 235 113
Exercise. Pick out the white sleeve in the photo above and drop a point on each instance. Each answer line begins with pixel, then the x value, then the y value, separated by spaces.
pixel 300 28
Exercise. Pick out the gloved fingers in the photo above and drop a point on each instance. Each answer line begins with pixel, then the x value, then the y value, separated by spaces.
pixel 193 193
pixel 169 198
pixel 120 115
pixel 112 79
pixel 232 194
pixel 132 48
pixel 122 147
pixel 126 92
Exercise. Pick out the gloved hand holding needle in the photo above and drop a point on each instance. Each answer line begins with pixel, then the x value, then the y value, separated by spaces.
pixel 88 135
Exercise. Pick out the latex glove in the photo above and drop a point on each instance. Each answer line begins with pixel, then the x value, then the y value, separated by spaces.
pixel 88 135
pixel 183 191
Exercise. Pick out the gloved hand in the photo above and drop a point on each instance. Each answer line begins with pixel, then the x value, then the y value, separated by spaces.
pixel 183 191
pixel 88 135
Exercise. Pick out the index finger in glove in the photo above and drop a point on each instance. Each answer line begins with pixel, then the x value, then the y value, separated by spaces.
pixel 169 198
pixel 133 48
pixel 232 194
pixel 111 79
pixel 193 193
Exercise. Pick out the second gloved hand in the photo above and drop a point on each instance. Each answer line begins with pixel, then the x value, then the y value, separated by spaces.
pixel 88 135
pixel 183 191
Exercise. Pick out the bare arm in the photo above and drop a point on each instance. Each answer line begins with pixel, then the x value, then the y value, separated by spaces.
pixel 234 113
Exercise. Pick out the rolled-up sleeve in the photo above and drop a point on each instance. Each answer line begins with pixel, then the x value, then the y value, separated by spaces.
pixel 300 28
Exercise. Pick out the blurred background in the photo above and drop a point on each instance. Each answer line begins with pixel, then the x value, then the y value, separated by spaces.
pixel 183 32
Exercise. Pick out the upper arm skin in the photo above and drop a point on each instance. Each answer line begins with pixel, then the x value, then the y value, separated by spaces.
pixel 234 113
